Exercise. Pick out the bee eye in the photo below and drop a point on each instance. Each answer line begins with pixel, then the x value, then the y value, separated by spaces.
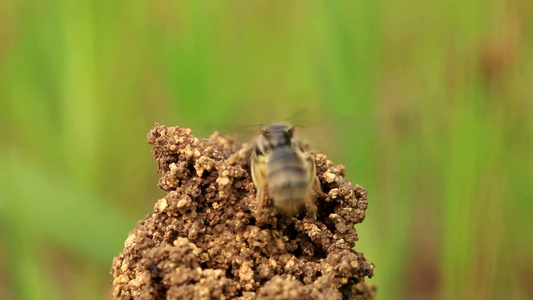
pixel 291 131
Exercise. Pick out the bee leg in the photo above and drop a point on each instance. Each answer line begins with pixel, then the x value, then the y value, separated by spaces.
pixel 310 205
pixel 316 186
pixel 313 176
pixel 261 198
pixel 244 152
pixel 259 178
pixel 310 199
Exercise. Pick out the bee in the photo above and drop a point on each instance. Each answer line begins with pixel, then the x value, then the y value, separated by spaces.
pixel 278 161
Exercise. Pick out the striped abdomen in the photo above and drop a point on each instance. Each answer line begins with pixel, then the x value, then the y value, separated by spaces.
pixel 288 179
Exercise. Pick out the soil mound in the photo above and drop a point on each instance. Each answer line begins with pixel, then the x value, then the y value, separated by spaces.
pixel 205 240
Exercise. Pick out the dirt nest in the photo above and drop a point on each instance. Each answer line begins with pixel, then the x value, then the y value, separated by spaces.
pixel 204 239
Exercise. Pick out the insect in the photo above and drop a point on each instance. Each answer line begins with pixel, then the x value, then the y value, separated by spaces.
pixel 279 162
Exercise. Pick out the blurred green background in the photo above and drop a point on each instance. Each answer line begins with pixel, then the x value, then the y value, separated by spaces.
pixel 429 106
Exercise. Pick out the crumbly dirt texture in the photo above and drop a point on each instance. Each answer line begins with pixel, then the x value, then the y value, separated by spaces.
pixel 205 240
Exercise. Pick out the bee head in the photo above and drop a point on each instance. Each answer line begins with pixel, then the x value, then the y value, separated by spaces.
pixel 278 134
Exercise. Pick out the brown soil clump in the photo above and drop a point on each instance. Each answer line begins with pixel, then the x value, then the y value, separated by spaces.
pixel 204 240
